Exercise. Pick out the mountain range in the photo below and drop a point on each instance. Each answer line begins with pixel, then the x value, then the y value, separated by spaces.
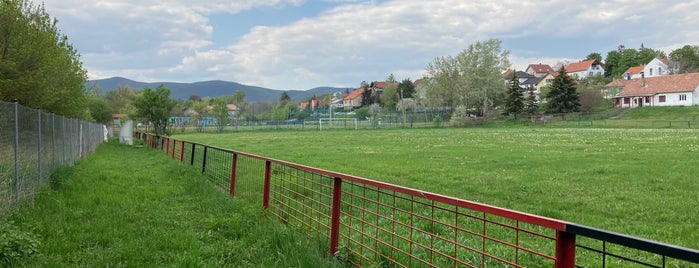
pixel 216 88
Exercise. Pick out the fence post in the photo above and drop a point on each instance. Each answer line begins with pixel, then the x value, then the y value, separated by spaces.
pixel 38 152
pixel 268 178
pixel 335 220
pixel 234 165
pixel 203 161
pixel 166 140
pixel 53 141
pixel 16 151
pixel 565 249
pixel 182 152
pixel 191 160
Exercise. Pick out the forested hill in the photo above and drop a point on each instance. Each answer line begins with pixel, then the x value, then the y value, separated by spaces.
pixel 215 88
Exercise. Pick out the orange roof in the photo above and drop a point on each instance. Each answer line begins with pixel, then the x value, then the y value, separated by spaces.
pixel 354 94
pixel 232 107
pixel 579 66
pixel 378 84
pixel 618 82
pixel 635 70
pixel 661 84
pixel 664 60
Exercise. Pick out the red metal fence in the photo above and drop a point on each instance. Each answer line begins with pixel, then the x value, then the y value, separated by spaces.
pixel 368 222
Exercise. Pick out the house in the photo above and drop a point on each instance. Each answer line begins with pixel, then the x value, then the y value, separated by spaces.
pixel 668 90
pixel 609 91
pixel 232 109
pixel 526 80
pixel 539 70
pixel 656 67
pixel 312 105
pixel 584 69
pixel 353 99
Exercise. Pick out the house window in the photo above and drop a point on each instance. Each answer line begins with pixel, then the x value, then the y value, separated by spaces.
pixel 627 100
pixel 683 97
pixel 651 72
pixel 660 71
pixel 661 98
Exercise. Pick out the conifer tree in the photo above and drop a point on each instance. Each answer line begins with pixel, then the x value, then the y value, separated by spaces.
pixel 563 96
pixel 515 100
pixel 531 104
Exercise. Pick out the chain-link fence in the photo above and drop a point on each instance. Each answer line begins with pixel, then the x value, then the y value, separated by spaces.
pixel 34 143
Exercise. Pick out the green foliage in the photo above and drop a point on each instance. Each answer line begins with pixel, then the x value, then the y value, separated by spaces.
pixel 362 112
pixel 121 100
pixel 471 79
pixel 285 97
pixel 38 66
pixel 685 59
pixel 16 245
pixel 154 106
pixel 531 104
pixel 220 112
pixel 406 89
pixel 618 61
pixel 390 97
pixel 284 111
pixel 594 56
pixel 99 109
pixel 514 103
pixel 563 96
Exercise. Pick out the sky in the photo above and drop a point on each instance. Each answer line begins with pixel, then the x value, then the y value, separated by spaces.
pixel 299 45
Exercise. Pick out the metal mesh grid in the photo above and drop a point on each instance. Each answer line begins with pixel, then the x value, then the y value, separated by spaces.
pixel 33 143
pixel 386 226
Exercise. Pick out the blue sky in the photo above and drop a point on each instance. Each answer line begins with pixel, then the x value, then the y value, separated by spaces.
pixel 297 44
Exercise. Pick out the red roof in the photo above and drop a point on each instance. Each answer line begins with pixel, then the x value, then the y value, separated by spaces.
pixel 232 107
pixel 661 84
pixel 579 66
pixel 354 94
pixel 541 68
pixel 634 70
pixel 378 84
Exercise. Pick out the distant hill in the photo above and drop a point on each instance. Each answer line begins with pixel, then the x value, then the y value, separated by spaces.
pixel 214 88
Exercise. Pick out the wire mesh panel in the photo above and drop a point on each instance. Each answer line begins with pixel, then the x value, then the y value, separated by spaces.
pixel 7 154
pixel 217 166
pixel 249 178
pixel 386 227
pixel 301 199
pixel 33 143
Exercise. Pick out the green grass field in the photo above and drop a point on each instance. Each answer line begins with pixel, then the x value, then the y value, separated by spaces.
pixel 133 207
pixel 640 182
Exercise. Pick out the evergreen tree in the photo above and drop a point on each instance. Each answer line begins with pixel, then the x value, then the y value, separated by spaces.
pixel 563 96
pixel 514 103
pixel 284 98
pixel 531 105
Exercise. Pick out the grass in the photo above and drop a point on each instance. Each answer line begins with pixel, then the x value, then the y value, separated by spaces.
pixel 635 181
pixel 131 207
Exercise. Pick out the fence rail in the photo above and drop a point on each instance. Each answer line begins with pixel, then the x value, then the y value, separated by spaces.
pixel 33 143
pixel 368 222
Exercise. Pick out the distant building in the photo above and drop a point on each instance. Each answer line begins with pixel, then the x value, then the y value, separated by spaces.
pixel 584 69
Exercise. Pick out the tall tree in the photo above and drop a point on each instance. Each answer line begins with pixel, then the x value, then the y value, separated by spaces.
pixel 38 66
pixel 685 59
pixel 154 106
pixel 514 103
pixel 121 99
pixel 471 79
pixel 220 112
pixel 406 89
pixel 285 97
pixel 594 56
pixel 563 96
pixel 531 104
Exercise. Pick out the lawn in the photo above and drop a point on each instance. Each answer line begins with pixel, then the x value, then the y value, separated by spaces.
pixel 640 182
pixel 133 207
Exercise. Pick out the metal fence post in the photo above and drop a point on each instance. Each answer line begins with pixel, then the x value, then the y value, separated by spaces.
pixel 268 178
pixel 234 165
pixel 16 151
pixel 38 152
pixel 335 220
pixel 565 250
pixel 191 160
pixel 203 161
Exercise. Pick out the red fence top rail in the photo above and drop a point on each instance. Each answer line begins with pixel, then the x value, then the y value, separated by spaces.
pixel 502 212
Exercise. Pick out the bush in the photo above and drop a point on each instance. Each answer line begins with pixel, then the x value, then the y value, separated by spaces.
pixel 16 246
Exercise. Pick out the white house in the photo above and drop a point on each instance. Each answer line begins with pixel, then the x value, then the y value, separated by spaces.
pixel 585 69
pixel 656 67
pixel 668 90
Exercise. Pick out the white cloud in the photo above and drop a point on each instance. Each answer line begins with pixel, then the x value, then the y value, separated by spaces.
pixel 355 40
